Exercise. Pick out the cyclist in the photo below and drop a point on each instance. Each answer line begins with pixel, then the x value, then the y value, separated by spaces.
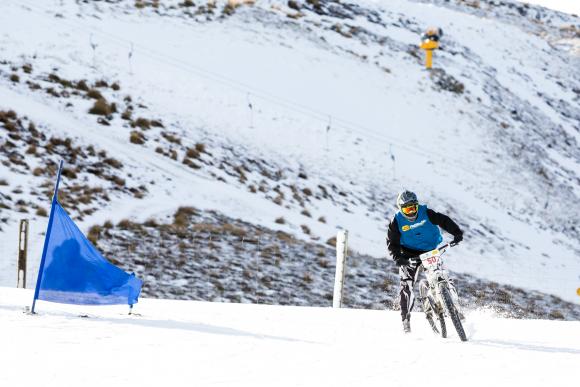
pixel 415 230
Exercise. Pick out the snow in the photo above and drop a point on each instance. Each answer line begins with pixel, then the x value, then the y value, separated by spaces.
pixel 568 6
pixel 206 344
pixel 200 77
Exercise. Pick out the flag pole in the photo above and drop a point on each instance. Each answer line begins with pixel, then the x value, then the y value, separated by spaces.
pixel 47 237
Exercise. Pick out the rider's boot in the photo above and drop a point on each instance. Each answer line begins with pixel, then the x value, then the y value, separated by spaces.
pixel 407 323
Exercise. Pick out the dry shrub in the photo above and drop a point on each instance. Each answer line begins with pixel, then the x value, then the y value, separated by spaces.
pixel 94 234
pixel 331 241
pixel 200 147
pixel 280 220
pixel 113 162
pixel 142 123
pixel 191 164
pixel 137 138
pixel 101 108
pixel 192 153
pixel 41 212
pixel 93 93
pixel 171 138
pixel 229 228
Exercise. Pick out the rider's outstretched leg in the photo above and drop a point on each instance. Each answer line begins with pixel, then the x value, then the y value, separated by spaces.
pixel 408 275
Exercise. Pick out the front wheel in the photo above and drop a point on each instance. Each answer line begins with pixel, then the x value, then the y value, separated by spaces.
pixel 453 313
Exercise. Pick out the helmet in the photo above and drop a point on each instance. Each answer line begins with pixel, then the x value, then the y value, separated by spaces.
pixel 408 204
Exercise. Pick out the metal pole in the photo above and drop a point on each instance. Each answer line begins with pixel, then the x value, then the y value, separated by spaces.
pixel 341 250
pixel 47 237
pixel 22 252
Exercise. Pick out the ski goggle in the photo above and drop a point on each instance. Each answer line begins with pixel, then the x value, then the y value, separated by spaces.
pixel 409 210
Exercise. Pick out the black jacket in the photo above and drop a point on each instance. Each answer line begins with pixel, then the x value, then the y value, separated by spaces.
pixel 394 235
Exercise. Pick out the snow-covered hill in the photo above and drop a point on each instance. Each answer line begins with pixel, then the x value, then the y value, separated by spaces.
pixel 204 344
pixel 313 112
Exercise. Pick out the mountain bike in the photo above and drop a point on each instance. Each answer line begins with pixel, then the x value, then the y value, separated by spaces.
pixel 438 293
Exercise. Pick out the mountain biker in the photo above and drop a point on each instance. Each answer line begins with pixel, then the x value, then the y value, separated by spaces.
pixel 414 230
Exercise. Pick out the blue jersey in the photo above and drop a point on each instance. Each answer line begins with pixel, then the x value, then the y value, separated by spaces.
pixel 420 234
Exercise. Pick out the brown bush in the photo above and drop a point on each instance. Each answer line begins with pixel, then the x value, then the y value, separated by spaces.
pixel 280 220
pixel 192 153
pixel 94 234
pixel 137 138
pixel 113 162
pixel 142 123
pixel 41 212
pixel 94 94
pixel 15 78
pixel 331 242
pixel 82 85
pixel 200 147
pixel 101 107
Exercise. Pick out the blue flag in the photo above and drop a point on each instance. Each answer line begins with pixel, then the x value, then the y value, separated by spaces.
pixel 75 272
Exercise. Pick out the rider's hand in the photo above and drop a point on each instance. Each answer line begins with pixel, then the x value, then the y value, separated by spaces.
pixel 402 261
pixel 458 238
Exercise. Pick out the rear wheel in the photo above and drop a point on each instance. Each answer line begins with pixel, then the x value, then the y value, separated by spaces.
pixel 453 313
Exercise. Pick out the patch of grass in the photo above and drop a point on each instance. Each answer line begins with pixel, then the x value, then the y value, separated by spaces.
pixel 331 241
pixel 137 138
pixel 101 108
pixel 94 94
pixel 191 164
pixel 15 78
pixel 171 138
pixel 142 123
pixel 200 147
pixel 94 234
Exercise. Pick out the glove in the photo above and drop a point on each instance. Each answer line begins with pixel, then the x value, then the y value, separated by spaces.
pixel 401 261
pixel 458 238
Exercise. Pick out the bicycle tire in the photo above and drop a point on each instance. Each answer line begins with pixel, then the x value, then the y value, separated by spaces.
pixel 441 318
pixel 453 313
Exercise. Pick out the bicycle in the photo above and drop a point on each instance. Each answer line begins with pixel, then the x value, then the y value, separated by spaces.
pixel 438 293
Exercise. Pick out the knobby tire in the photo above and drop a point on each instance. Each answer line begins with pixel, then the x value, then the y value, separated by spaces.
pixel 453 313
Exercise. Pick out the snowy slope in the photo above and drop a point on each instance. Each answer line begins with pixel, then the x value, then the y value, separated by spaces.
pixel 182 343
pixel 343 99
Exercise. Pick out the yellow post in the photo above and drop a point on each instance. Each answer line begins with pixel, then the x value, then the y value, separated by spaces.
pixel 429 59
pixel 578 291
pixel 429 46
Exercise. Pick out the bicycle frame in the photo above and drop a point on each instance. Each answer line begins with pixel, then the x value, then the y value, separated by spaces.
pixel 436 274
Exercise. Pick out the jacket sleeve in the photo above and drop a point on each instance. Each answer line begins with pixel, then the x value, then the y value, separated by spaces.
pixel 394 240
pixel 445 222
pixel 394 243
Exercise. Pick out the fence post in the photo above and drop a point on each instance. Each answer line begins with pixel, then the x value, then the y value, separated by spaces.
pixel 341 250
pixel 22 253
